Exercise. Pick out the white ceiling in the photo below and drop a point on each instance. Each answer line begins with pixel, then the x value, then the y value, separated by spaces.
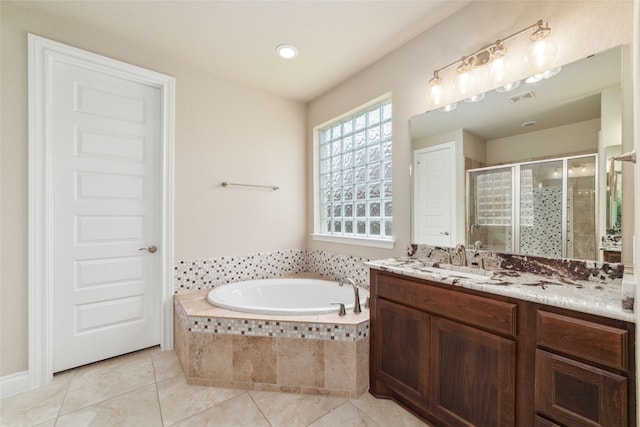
pixel 237 39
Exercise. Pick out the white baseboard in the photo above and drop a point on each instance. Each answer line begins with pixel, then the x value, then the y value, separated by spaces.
pixel 14 383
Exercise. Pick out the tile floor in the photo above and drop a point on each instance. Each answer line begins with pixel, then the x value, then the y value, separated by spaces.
pixel 148 388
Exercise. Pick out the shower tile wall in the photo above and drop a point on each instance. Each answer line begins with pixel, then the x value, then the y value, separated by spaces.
pixel 208 273
pixel 543 235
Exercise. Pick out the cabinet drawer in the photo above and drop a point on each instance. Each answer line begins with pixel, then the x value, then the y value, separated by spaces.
pixel 543 422
pixel 577 395
pixel 486 313
pixel 588 340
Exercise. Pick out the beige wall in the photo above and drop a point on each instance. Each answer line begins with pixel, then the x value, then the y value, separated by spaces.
pixel 406 72
pixel 224 131
pixel 576 138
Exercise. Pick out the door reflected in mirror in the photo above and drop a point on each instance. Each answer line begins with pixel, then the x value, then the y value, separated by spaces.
pixel 565 125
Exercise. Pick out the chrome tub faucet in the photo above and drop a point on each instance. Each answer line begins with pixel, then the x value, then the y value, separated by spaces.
pixel 356 307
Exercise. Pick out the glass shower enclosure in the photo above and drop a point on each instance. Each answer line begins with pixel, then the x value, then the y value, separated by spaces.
pixel 543 208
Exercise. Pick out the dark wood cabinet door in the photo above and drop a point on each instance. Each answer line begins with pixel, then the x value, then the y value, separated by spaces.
pixel 472 376
pixel 543 422
pixel 576 394
pixel 400 350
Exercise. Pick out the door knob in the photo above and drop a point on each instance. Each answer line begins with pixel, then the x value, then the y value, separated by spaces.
pixel 151 249
pixel 444 233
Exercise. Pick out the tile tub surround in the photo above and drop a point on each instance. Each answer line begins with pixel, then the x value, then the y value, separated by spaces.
pixel 599 292
pixel 324 354
pixel 208 273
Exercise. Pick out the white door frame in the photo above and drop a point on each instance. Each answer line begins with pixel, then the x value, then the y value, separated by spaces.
pixel 42 54
pixel 451 145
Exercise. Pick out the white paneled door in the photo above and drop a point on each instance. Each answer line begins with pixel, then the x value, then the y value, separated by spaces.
pixel 106 154
pixel 433 195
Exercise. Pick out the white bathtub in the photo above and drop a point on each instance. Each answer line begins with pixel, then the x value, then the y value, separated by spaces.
pixel 285 296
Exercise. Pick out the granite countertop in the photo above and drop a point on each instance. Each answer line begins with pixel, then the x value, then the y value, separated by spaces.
pixel 593 297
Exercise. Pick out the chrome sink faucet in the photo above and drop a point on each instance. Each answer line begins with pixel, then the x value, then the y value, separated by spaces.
pixel 462 252
pixel 356 307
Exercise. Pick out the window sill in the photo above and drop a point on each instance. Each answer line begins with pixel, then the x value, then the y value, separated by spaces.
pixel 359 241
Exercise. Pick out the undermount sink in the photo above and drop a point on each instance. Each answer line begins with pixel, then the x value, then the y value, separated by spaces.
pixel 446 272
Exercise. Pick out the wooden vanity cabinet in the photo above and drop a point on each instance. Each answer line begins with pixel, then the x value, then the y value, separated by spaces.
pixel 471 376
pixel 584 372
pixel 462 358
pixel 427 354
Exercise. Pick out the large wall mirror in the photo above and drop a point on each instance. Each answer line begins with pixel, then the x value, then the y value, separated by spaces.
pixel 519 169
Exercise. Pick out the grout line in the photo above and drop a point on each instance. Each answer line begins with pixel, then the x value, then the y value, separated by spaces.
pixel 155 383
pixel 259 409
pixel 328 412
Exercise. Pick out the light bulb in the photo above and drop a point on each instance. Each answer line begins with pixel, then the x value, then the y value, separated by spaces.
pixel 542 53
pixel 500 71
pixel 437 92
pixel 464 80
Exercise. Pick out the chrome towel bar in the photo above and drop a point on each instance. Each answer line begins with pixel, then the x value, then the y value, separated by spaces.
pixel 227 184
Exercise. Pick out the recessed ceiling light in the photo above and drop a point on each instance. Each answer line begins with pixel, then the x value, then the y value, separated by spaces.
pixel 509 87
pixel 449 107
pixel 475 98
pixel 286 51
pixel 529 123
pixel 544 75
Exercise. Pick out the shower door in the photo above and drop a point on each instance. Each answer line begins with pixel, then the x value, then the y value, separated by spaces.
pixel 541 209
pixel 489 203
pixel 582 242
pixel 554 214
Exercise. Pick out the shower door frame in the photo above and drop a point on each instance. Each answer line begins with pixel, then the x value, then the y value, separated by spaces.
pixel 515 199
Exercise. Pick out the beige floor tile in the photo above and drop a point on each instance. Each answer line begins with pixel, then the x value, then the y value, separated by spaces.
pixel 290 410
pixel 101 381
pixel 386 412
pixel 136 408
pixel 238 411
pixel 50 423
pixel 166 365
pixel 345 415
pixel 179 400
pixel 35 406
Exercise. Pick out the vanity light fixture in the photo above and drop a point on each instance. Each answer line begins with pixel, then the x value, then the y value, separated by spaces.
pixel 286 51
pixel 541 54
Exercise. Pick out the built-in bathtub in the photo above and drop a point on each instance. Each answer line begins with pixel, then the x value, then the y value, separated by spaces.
pixel 315 353
pixel 286 296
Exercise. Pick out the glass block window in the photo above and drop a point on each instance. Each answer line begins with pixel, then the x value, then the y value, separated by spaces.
pixel 355 174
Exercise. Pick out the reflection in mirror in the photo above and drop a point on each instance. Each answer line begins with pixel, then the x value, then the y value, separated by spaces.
pixel 614 190
pixel 572 121
pixel 543 208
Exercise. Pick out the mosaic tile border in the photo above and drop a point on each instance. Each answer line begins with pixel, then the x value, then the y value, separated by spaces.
pixel 338 266
pixel 273 328
pixel 208 273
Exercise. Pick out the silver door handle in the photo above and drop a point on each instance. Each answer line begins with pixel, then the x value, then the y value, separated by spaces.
pixel 151 249
pixel 444 233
